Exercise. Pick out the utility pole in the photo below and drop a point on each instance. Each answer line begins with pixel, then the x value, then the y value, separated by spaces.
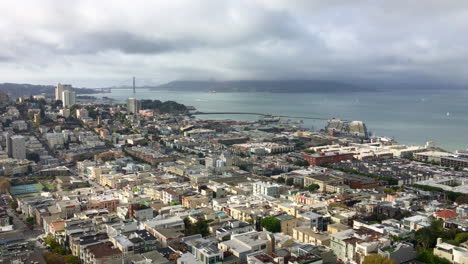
pixel 134 84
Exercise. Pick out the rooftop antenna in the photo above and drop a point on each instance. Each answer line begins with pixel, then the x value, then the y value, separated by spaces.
pixel 134 84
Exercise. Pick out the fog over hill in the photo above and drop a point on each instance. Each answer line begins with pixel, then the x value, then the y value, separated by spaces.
pixel 277 86
pixel 23 89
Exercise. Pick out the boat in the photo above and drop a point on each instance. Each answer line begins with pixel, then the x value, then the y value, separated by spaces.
pixel 271 119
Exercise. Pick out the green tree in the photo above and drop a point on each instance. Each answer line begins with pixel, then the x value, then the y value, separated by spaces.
pixel 463 199
pixel 200 227
pixel 427 256
pixel 61 250
pixel 271 224
pixel 427 237
pixel 50 239
pixel 54 245
pixel 300 162
pixel 53 258
pixel 163 107
pixel 396 238
pixel 313 187
pixel 30 220
pixel 377 259
pixel 461 237
pixel 72 259
pixel 290 182
pixel 57 104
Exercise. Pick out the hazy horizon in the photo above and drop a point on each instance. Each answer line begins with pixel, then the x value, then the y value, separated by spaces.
pixel 101 44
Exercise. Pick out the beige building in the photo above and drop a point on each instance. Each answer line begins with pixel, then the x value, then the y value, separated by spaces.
pixel 335 228
pixel 457 255
pixel 288 222
pixel 327 183
pixel 305 234
pixel 195 201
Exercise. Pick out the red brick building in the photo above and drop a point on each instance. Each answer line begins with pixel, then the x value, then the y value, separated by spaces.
pixel 327 158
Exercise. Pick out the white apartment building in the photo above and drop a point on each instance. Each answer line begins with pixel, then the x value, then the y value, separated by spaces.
pixel 65 93
pixel 266 188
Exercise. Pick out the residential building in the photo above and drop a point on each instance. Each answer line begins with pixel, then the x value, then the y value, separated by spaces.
pixel 68 98
pixel 288 223
pixel 313 220
pixel 305 234
pixel 133 105
pixel 16 146
pixel 454 254
pixel 266 188
pixel 100 253
pixel 244 244
pixel 327 158
pixel 399 252
pixel 82 113
pixel 65 93
pixel 59 90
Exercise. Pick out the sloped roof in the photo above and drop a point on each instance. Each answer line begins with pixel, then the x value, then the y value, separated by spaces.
pixel 446 214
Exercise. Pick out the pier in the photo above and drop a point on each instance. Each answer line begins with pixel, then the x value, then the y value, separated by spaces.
pixel 259 114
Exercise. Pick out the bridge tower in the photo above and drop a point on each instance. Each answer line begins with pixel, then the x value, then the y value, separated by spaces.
pixel 134 84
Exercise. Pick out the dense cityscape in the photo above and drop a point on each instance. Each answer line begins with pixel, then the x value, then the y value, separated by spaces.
pixel 86 180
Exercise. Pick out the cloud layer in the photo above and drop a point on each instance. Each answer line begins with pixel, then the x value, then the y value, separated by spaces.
pixel 100 43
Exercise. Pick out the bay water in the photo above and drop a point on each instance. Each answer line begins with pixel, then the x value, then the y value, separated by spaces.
pixel 410 116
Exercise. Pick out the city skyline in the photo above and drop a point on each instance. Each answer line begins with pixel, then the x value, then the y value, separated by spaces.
pixel 233 132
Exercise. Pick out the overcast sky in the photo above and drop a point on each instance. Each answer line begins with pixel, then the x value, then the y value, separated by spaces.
pixel 101 43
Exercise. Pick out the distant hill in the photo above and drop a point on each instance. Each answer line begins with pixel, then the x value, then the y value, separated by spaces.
pixel 280 86
pixel 15 90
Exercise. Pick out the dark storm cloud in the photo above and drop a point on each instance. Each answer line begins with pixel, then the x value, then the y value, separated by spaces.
pixel 271 39
pixel 126 42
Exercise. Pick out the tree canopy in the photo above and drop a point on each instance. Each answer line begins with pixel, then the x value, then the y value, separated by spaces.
pixel 377 259
pixel 300 162
pixel 427 237
pixel 163 107
pixel 461 237
pixel 313 187
pixel 200 227
pixel 72 259
pixel 271 224
pixel 427 256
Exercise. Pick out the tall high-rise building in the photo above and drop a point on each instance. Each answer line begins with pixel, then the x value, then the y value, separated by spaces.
pixel 133 105
pixel 68 98
pixel 64 93
pixel 16 147
pixel 59 90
